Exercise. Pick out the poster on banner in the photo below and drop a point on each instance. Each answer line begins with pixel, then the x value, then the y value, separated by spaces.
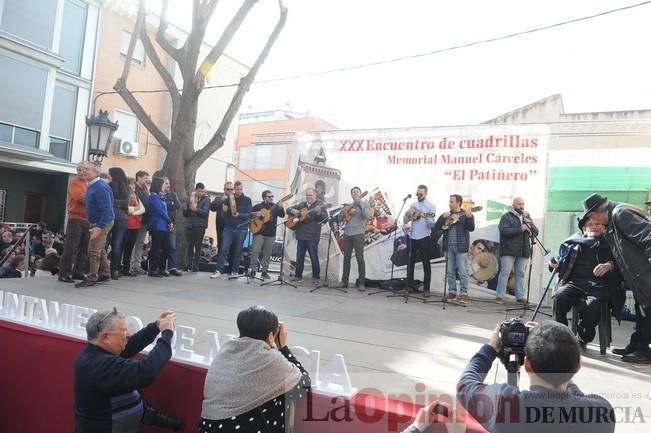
pixel 488 165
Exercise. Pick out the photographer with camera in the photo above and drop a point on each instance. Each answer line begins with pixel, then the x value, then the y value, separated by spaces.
pixel 552 356
pixel 254 380
pixel 106 382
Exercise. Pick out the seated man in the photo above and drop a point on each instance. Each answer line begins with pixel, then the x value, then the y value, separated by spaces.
pixel 587 278
pixel 107 382
pixel 552 404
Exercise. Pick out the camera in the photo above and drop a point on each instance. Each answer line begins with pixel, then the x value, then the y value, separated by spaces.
pixel 514 335
pixel 152 416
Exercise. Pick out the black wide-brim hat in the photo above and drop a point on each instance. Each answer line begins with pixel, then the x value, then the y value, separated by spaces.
pixel 591 204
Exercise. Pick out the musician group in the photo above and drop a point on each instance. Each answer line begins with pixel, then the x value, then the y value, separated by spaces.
pixel 236 216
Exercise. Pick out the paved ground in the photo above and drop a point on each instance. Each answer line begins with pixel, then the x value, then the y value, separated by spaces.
pixel 387 344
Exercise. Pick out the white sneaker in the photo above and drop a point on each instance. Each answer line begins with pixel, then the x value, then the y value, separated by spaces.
pixel 216 275
pixel 234 275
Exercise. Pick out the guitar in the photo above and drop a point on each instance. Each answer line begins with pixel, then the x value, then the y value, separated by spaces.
pixel 414 214
pixel 257 223
pixel 349 211
pixel 304 214
pixel 453 218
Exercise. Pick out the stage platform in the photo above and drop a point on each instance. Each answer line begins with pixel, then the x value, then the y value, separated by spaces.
pixel 387 344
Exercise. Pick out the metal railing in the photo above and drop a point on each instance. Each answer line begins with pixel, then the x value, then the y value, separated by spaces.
pixel 25 238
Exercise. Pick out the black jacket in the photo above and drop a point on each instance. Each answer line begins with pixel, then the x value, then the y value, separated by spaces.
pixel 173 204
pixel 629 235
pixel 570 250
pixel 197 218
pixel 216 206
pixel 310 230
pixel 143 196
pixel 106 385
pixel 269 229
pixel 513 241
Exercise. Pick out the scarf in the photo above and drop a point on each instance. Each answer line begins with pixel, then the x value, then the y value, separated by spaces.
pixel 245 374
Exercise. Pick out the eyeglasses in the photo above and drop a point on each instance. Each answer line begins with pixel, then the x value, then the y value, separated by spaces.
pixel 269 196
pixel 113 312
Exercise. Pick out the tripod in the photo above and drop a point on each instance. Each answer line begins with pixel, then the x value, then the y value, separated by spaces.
pixel 281 280
pixel 324 282
pixel 247 269
pixel 393 243
pixel 444 299
pixel 534 241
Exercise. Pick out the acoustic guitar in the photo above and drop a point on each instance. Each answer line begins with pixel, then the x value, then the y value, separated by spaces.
pixel 349 211
pixel 304 214
pixel 453 218
pixel 257 223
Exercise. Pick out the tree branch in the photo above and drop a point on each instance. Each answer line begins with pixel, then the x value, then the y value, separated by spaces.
pixel 132 42
pixel 121 88
pixel 175 53
pixel 217 140
pixel 162 71
pixel 223 42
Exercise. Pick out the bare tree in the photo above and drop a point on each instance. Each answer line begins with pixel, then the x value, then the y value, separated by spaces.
pixel 182 160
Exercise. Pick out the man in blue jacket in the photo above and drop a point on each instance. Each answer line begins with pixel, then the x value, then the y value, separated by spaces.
pixel 106 382
pixel 99 209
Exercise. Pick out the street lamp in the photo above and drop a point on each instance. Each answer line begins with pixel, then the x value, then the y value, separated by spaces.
pixel 100 134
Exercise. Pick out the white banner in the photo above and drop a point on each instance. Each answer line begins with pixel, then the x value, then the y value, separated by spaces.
pixel 487 165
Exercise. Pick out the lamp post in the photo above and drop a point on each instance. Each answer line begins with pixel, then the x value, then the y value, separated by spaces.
pixel 100 134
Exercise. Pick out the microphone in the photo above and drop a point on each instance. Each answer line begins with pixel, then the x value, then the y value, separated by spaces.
pixel 407 197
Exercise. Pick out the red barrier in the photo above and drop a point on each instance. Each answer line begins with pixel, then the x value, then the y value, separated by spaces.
pixel 37 394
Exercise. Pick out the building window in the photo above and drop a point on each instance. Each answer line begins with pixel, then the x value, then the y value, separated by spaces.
pixel 138 52
pixel 62 122
pixel 263 156
pixel 73 30
pixel 22 92
pixel 17 135
pixel 127 125
pixel 30 20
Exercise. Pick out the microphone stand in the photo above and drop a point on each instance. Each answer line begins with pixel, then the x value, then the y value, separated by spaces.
pixel 324 282
pixel 281 279
pixel 533 239
pixel 393 243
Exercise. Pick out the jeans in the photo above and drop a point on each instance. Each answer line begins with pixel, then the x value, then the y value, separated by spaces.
pixel 194 239
pixel 356 243
pixel 231 237
pixel 98 264
pixel 311 247
pixel 169 262
pixel 506 265
pixel 118 240
pixel 136 255
pixel 160 248
pixel 132 236
pixel 76 246
pixel 266 245
pixel 424 246
pixel 457 262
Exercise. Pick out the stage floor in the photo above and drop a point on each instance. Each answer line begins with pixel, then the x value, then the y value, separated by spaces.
pixel 388 345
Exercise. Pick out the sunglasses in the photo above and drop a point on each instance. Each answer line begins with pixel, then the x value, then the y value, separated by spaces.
pixel 113 312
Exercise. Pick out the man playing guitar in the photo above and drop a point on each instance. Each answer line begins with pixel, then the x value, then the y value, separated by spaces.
pixel 354 236
pixel 456 224
pixel 236 208
pixel 421 214
pixel 265 239
pixel 308 234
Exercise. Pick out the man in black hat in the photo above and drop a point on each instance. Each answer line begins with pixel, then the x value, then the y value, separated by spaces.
pixel 628 232
pixel 587 278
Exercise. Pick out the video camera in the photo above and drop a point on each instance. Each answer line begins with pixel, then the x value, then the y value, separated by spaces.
pixel 153 416
pixel 514 335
